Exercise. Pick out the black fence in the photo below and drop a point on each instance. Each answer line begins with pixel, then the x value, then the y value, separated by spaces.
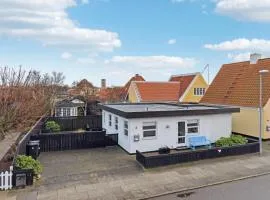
pixel 150 161
pixel 76 140
pixel 75 123
pixel 21 147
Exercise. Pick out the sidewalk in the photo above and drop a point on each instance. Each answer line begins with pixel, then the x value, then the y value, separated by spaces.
pixel 153 182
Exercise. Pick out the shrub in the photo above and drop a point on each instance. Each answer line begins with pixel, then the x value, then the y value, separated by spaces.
pixel 27 162
pixel 52 126
pixel 231 141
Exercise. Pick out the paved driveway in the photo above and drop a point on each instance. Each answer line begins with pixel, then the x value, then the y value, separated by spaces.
pixel 86 166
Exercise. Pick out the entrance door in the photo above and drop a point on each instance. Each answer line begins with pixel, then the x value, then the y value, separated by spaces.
pixel 181 132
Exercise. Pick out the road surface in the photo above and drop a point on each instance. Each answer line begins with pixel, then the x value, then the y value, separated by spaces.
pixel 249 189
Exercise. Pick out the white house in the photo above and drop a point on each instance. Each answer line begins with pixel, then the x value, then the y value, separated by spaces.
pixel 148 126
pixel 69 108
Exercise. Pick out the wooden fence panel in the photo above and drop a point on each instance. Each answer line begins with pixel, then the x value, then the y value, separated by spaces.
pixel 70 141
pixel 75 123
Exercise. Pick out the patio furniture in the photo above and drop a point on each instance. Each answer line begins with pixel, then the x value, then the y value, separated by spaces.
pixel 197 141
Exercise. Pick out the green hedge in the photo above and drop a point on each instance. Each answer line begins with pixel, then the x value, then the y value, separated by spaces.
pixel 231 141
pixel 27 162
pixel 52 126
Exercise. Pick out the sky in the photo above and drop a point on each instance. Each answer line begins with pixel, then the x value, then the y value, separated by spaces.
pixel 115 39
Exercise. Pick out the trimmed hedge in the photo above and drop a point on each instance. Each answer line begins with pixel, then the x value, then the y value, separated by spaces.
pixel 231 141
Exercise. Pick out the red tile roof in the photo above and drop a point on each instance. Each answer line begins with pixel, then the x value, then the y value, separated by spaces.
pixel 185 80
pixel 117 94
pixel 110 94
pixel 158 91
pixel 137 77
pixel 238 84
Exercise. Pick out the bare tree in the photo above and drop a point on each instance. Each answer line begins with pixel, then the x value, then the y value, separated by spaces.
pixel 25 96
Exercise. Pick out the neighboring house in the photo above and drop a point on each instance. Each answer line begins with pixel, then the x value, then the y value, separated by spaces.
pixel 192 86
pixel 145 91
pixel 117 94
pixel 70 107
pixel 150 126
pixel 84 88
pixel 237 84
pixel 180 88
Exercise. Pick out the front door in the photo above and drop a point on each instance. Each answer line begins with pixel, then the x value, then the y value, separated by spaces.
pixel 181 132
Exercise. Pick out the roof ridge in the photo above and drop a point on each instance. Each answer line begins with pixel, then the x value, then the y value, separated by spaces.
pixel 247 61
pixel 187 74
pixel 156 82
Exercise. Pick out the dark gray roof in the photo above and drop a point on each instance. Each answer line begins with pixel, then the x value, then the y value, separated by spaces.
pixel 67 103
pixel 140 110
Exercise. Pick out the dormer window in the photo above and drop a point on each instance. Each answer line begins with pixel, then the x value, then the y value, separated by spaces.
pixel 199 91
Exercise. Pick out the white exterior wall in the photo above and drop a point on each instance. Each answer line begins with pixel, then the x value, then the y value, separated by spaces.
pixel 211 126
pixel 123 140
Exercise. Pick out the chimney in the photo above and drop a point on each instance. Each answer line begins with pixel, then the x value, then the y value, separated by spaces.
pixel 103 83
pixel 254 58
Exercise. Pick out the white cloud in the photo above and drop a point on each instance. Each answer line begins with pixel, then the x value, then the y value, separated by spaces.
pixel 251 10
pixel 66 55
pixel 48 22
pixel 85 1
pixel 152 62
pixel 241 44
pixel 172 41
pixel 239 57
pixel 86 60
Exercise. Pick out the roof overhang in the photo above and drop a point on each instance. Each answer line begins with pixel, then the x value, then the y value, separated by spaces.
pixel 170 113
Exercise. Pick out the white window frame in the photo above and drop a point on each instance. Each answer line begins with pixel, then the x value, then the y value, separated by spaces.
pixel 151 123
pixel 110 120
pixel 116 122
pixel 198 91
pixel 193 121
pixel 64 112
pixel 126 128
pixel 68 112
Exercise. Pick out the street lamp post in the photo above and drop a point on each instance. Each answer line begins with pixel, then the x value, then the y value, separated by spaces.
pixel 261 72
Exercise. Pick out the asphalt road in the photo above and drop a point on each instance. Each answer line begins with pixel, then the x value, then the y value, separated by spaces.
pixel 249 189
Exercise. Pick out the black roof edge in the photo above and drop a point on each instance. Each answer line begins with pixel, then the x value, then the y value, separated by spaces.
pixel 145 114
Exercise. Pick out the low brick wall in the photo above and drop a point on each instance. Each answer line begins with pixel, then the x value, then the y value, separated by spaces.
pixel 150 161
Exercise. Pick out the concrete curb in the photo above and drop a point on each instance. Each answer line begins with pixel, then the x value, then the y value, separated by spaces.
pixel 206 185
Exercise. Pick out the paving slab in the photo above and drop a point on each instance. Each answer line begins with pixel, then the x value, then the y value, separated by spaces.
pixel 137 183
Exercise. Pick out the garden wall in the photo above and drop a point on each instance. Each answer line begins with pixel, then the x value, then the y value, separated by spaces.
pixel 75 123
pixel 150 161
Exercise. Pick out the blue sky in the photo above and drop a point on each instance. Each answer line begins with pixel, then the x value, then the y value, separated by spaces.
pixel 115 39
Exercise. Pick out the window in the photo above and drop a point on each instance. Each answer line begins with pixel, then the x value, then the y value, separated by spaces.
pixel 64 112
pixel 199 91
pixel 58 112
pixel 193 126
pixel 110 120
pixel 149 129
pixel 116 123
pixel 104 115
pixel 68 112
pixel 126 128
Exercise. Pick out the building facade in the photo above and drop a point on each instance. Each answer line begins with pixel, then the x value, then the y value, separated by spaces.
pixel 148 127
pixel 237 84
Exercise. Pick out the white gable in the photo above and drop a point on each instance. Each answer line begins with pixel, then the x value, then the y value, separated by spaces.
pixel 77 101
